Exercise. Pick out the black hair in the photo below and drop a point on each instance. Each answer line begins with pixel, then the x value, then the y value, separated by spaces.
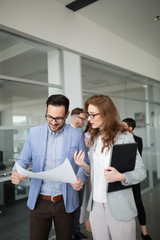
pixel 130 122
pixel 58 100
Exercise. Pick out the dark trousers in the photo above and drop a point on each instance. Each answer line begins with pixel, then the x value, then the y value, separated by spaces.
pixel 76 225
pixel 139 204
pixel 41 220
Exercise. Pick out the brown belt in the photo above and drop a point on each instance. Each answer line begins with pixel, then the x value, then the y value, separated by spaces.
pixel 51 198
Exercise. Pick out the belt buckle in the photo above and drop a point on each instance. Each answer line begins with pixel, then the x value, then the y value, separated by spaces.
pixel 52 199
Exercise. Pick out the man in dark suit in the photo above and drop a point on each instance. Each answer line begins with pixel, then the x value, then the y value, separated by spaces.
pixel 130 124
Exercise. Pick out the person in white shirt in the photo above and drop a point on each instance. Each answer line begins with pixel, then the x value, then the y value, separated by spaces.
pixel 112 214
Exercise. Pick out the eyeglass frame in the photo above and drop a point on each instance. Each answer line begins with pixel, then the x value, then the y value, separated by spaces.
pixel 92 116
pixel 62 118
pixel 83 119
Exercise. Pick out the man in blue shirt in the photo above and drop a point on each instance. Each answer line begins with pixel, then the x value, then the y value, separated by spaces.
pixel 47 146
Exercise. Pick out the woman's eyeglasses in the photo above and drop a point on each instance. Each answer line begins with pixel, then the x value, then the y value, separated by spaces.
pixel 92 116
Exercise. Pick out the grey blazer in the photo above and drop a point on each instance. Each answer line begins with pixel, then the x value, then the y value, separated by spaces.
pixel 121 203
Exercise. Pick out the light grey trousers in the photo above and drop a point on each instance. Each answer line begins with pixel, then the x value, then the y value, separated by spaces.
pixel 105 227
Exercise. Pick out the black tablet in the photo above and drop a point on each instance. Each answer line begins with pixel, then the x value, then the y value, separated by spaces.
pixel 123 158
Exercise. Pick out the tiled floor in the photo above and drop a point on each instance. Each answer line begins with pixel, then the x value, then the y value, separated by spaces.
pixel 15 222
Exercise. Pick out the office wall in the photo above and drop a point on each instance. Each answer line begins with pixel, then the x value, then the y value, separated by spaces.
pixel 72 80
pixel 51 21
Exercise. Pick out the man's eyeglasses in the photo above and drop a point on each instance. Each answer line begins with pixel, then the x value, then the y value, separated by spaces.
pixel 91 115
pixel 83 119
pixel 57 119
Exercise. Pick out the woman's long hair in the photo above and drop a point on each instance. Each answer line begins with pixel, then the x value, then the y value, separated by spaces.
pixel 112 125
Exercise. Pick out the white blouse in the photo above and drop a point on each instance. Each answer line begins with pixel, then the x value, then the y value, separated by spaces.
pixel 100 162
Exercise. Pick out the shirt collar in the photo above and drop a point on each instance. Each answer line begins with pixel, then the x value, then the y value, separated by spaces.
pixel 72 125
pixel 51 133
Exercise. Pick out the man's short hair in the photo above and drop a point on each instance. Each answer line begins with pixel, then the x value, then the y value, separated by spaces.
pixel 77 111
pixel 58 100
pixel 130 122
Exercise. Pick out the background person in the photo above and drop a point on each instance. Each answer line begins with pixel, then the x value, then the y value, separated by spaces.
pixel 112 214
pixel 47 146
pixel 87 137
pixel 78 119
pixel 131 124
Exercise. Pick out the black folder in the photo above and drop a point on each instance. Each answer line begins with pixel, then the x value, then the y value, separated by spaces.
pixel 123 158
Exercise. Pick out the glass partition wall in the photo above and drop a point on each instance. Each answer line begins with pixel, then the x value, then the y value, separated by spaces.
pixel 134 96
pixel 29 73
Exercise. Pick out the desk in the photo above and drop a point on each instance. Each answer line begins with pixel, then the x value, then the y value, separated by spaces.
pixel 5 175
pixel 9 192
pixel 6 187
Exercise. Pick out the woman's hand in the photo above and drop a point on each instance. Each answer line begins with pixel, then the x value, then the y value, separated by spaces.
pixel 79 158
pixel 112 175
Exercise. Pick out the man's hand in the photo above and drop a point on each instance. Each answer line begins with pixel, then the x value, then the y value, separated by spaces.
pixel 16 178
pixel 78 184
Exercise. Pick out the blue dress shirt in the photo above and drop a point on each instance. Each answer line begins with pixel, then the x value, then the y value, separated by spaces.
pixel 53 160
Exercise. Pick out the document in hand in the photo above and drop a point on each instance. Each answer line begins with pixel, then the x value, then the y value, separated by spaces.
pixel 123 159
pixel 62 173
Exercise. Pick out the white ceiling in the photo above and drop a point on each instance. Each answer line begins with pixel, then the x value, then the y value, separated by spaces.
pixel 132 20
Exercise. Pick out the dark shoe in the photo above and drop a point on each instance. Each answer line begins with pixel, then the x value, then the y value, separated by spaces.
pixel 146 237
pixel 79 236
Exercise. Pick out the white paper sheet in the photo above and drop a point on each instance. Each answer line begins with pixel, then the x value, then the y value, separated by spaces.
pixel 62 173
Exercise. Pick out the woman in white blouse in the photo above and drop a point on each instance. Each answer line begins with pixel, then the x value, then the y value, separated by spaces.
pixel 112 214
